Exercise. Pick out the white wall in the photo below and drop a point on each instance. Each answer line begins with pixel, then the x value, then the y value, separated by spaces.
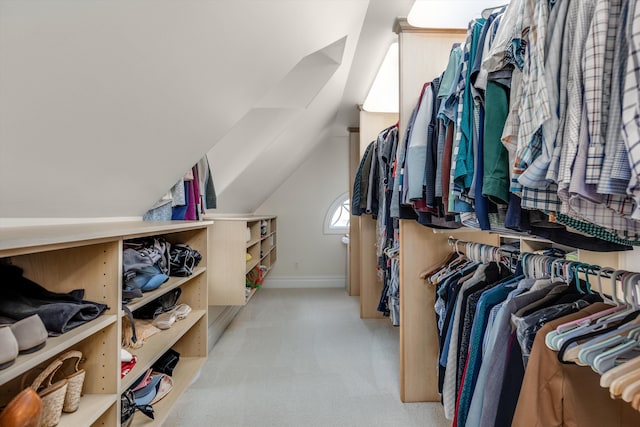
pixel 105 104
pixel 306 256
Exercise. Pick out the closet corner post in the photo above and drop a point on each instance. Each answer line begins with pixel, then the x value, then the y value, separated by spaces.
pixel 423 54
pixel 370 285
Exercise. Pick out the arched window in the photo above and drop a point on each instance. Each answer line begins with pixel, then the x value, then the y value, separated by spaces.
pixel 336 221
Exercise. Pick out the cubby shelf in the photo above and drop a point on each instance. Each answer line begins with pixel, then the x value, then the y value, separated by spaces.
pixel 92 406
pixel 156 345
pixel 172 283
pixel 54 346
pixel 89 256
pixel 227 248
pixel 186 370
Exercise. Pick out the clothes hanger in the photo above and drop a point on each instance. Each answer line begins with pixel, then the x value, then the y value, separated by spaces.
pixel 618 385
pixel 627 308
pixel 584 353
pixel 570 325
pixel 588 326
pixel 627 347
pixel 614 294
pixel 610 358
pixel 604 351
pixel 608 377
pixel 587 354
pixel 636 403
pixel 486 13
pixel 631 391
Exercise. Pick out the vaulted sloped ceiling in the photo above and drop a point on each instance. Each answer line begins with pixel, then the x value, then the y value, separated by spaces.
pixel 105 104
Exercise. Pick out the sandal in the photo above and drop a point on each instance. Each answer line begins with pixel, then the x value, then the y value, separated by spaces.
pixel 75 381
pixel 52 395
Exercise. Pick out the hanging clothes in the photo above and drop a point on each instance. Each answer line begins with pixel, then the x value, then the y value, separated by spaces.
pixel 494 361
pixel 515 134
pixel 373 194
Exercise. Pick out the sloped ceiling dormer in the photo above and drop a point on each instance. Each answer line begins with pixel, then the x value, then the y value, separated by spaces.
pixel 105 104
pixel 262 144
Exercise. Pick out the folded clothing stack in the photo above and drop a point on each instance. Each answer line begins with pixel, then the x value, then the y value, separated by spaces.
pixel 59 312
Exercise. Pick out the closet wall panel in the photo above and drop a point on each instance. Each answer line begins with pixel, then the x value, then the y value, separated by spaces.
pixel 421 249
pixel 370 287
pixel 353 277
pixel 423 55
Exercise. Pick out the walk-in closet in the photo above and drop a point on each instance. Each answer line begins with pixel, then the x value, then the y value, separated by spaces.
pixel 243 213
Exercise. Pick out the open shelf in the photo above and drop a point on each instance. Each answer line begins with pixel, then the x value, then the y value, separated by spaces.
pixel 89 256
pixel 251 264
pixel 185 371
pixel 252 293
pixel 55 346
pixel 252 242
pixel 92 406
pixel 227 265
pixel 158 344
pixel 172 283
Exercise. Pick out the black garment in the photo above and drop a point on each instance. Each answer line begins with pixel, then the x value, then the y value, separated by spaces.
pixel 493 274
pixel 558 233
pixel 21 297
pixel 511 384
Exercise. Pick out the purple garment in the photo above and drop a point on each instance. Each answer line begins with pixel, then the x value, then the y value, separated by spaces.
pixel 190 214
pixel 196 191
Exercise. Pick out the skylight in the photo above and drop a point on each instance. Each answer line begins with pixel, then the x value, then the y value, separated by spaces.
pixel 448 13
pixel 383 97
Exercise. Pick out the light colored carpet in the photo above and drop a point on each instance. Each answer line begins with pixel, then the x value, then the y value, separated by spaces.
pixel 303 358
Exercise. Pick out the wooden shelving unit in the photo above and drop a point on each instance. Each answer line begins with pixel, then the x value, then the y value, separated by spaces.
pixel 89 256
pixel 230 239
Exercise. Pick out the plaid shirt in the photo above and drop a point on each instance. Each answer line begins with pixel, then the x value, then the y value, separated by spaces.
pixel 535 175
pixel 567 43
pixel 631 104
pixel 575 93
pixel 534 103
pixel 539 110
pixel 615 174
pixel 594 83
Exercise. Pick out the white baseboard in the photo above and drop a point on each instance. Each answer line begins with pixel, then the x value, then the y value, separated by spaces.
pixel 304 282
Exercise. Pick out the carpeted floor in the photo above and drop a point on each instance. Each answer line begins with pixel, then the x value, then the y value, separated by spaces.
pixel 303 358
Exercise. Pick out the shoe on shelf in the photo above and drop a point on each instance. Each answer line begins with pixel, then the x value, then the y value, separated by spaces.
pixel 24 410
pixel 30 333
pixel 51 393
pixel 8 347
pixel 163 388
pixel 75 380
pixel 182 311
pixel 165 320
